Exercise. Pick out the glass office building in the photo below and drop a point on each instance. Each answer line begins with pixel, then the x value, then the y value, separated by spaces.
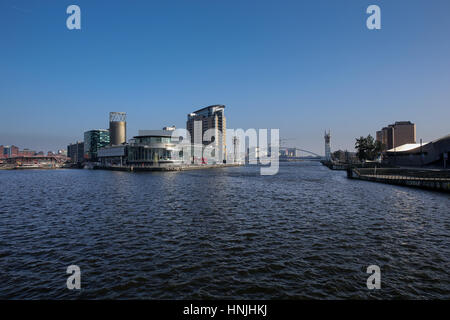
pixel 93 141
pixel 207 119
pixel 155 147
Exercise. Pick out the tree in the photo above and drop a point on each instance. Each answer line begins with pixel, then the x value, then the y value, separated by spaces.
pixel 379 147
pixel 367 148
pixel 361 148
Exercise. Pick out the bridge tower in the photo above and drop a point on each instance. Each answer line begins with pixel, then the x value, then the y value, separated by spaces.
pixel 327 145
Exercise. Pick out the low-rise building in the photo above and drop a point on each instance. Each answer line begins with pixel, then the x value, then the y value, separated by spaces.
pixel 154 147
pixel 149 148
pixel 113 155
pixel 435 154
pixel 9 151
pixel 27 153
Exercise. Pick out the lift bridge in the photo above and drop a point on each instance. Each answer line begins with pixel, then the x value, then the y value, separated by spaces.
pixel 296 153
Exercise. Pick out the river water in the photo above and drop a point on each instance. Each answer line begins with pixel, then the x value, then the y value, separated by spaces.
pixel 230 233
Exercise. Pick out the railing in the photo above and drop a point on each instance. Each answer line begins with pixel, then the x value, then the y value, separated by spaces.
pixel 404 174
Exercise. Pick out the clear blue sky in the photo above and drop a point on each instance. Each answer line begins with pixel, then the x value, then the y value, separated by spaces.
pixel 300 66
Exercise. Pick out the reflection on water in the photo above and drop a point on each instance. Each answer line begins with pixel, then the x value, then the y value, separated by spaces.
pixel 306 232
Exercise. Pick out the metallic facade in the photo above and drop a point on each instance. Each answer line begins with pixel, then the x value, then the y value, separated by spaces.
pixel 117 128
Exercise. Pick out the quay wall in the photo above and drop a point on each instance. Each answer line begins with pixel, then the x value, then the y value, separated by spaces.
pixel 166 168
pixel 438 180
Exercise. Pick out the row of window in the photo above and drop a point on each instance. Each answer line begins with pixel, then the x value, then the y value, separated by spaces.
pixel 151 140
pixel 152 154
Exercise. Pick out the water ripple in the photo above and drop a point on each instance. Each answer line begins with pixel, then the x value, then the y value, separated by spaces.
pixel 305 233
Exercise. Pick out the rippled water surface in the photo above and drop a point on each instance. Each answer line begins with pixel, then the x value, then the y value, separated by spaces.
pixel 307 232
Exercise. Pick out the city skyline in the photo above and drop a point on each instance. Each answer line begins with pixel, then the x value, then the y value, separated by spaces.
pixel 322 70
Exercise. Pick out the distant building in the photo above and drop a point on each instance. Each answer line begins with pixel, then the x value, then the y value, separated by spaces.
pixel 252 154
pixel 339 156
pixel 75 151
pixel 236 157
pixel 27 153
pixel 397 134
pixel 94 140
pixel 345 156
pixel 209 118
pixel 14 151
pixel 36 161
pixel 9 151
pixel 172 128
pixel 290 153
pixel 379 136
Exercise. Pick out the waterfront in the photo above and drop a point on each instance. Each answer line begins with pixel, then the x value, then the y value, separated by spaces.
pixel 307 232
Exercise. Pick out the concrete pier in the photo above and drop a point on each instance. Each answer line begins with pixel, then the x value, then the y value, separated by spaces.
pixel 438 180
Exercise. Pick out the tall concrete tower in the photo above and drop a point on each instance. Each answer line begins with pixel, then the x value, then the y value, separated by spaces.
pixel 327 145
pixel 117 128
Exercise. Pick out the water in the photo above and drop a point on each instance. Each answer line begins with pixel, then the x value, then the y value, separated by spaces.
pixel 307 232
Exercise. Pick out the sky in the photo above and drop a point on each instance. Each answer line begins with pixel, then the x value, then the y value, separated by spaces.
pixel 299 66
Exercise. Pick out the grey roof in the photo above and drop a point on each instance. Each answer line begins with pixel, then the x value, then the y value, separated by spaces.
pixel 211 106
pixel 156 133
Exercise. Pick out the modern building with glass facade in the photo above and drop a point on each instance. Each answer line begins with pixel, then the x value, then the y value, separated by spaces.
pixel 75 152
pixel 210 119
pixel 93 141
pixel 155 147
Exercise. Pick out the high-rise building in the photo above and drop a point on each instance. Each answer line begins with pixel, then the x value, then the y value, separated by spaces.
pixel 386 136
pixel 75 152
pixel 397 134
pixel 404 132
pixel 209 118
pixel 94 140
pixel 379 136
